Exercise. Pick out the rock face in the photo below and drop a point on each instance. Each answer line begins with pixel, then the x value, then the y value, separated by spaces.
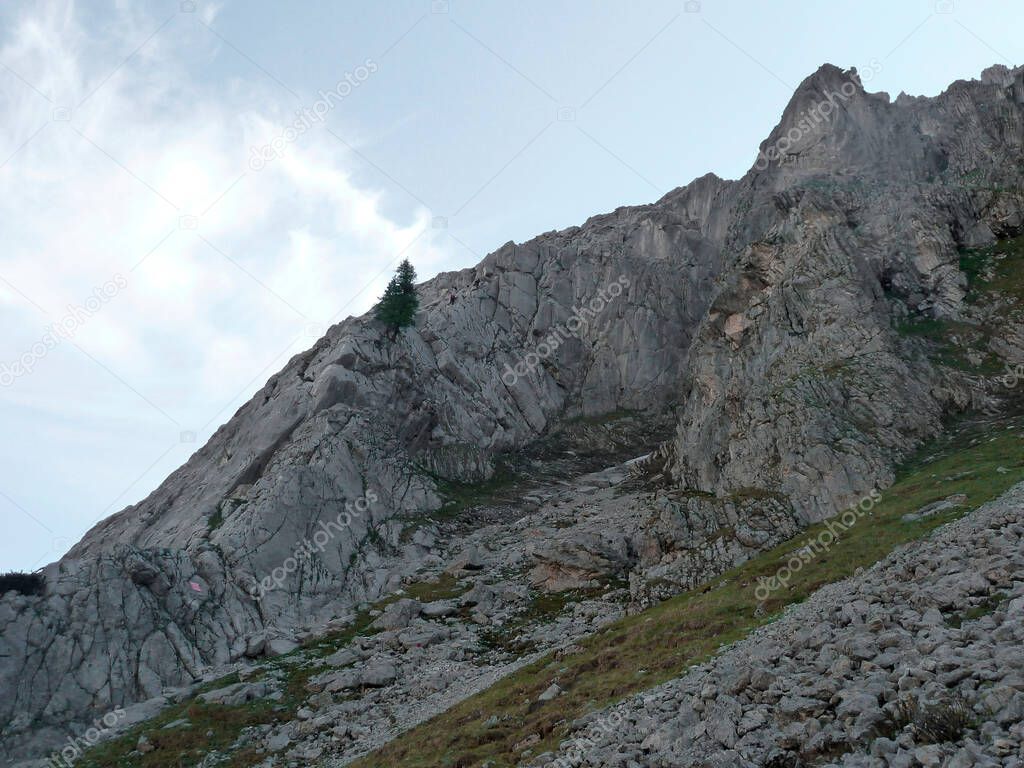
pixel 915 662
pixel 797 382
pixel 762 309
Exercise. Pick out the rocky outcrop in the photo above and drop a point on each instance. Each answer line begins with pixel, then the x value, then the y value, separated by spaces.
pixel 762 308
pixel 689 539
pixel 798 382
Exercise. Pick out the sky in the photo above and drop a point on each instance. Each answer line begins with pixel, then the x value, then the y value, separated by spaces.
pixel 192 192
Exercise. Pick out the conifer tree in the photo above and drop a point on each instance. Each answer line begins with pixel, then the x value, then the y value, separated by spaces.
pixel 397 307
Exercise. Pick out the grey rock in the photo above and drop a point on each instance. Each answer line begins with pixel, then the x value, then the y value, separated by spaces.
pixel 934 508
pixel 439 609
pixel 470 560
pixel 551 692
pixel 279 740
pixel 378 674
pixel 342 658
pixel 236 694
pixel 399 614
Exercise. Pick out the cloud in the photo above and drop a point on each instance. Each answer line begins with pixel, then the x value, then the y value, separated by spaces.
pixel 123 160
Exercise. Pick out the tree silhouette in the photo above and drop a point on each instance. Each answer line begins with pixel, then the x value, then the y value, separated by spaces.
pixel 397 307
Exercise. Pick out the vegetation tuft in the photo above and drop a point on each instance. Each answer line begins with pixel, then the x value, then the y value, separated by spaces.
pixel 23 583
pixel 934 722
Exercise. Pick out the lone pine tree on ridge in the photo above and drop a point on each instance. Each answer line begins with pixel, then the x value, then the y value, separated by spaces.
pixel 397 307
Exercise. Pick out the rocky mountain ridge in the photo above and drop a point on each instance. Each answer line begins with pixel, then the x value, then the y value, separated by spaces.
pixel 759 314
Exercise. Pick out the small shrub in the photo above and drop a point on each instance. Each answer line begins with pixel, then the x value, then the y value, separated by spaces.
pixel 935 723
pixel 781 759
pixel 24 583
pixel 214 521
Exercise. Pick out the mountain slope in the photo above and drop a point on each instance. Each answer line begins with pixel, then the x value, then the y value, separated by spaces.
pixel 766 310
pixel 629 665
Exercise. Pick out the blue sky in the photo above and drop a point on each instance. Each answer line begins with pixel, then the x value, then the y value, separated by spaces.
pixel 128 135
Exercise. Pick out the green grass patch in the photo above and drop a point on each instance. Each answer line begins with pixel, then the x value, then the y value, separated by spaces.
pixel 543 607
pixel 987 606
pixel 458 496
pixel 211 727
pixel 951 341
pixel 995 279
pixel 444 587
pixel 602 419
pixel 661 643
pixel 215 521
pixel 996 270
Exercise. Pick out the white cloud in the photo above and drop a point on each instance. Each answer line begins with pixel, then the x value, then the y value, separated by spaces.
pixel 208 314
